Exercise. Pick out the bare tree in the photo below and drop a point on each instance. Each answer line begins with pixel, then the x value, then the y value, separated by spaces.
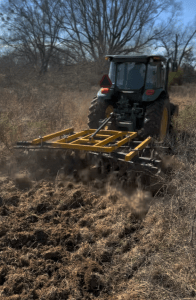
pixel 82 29
pixel 190 58
pixel 32 28
pixel 99 27
pixel 178 43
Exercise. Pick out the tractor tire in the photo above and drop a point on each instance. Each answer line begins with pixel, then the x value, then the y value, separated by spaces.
pixel 96 113
pixel 156 119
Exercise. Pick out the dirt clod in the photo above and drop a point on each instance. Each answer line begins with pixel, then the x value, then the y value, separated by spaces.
pixel 1 201
pixel 51 254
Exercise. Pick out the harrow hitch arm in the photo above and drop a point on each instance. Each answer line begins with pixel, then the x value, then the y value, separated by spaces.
pixel 112 116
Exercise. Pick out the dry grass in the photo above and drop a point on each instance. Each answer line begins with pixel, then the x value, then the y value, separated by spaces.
pixel 31 105
pixel 156 258
pixel 184 95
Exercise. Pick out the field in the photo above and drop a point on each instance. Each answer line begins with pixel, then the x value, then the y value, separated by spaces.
pixel 90 237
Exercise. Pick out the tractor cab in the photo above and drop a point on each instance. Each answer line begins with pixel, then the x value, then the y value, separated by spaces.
pixel 137 73
pixel 135 92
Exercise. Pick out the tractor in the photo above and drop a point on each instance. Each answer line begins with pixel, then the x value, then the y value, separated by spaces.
pixel 131 108
pixel 136 92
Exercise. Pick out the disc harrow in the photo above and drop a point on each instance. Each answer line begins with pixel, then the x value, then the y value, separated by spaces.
pixel 115 145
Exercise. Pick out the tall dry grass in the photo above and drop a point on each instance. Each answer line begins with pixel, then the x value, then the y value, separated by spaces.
pixel 33 105
pixel 167 242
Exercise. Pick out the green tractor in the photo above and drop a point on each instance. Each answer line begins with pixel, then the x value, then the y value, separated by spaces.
pixel 136 92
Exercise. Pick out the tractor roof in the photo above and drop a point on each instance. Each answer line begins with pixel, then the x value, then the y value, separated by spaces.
pixel 141 58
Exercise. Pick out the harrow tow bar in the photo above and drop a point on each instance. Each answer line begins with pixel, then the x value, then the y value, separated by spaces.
pixel 112 116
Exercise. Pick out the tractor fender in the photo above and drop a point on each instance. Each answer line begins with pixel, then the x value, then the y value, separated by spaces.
pixel 102 97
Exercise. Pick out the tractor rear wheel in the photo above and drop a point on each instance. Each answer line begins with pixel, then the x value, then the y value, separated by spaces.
pixel 156 119
pixel 98 111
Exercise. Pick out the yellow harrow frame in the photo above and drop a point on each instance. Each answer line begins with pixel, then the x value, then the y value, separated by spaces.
pixel 106 141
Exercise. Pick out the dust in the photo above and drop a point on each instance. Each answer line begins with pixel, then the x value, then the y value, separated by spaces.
pixel 172 163
pixel 136 202
pixel 23 181
pixel 140 203
pixel 89 174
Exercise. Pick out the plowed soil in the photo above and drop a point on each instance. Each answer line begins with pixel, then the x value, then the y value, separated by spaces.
pixel 68 236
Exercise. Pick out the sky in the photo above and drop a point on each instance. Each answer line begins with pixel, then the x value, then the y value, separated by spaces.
pixel 189 10
pixel 186 17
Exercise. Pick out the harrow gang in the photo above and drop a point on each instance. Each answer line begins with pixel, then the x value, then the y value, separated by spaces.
pixel 107 141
